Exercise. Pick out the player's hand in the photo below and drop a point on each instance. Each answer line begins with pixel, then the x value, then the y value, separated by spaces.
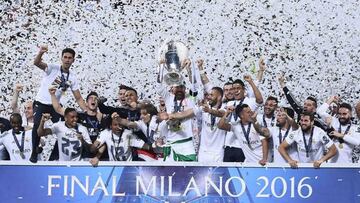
pixel 45 117
pixel 262 65
pixel 206 108
pixel 171 116
pixel 317 163
pixel 80 136
pixel 114 115
pixel 229 110
pixel 254 116
pixel 94 161
pixel 133 105
pixel 336 134
pixel 333 99
pixel 19 88
pixel 248 78
pixel 163 116
pixel 162 61
pixel 293 164
pixel 186 63
pixel 200 64
pixel 262 162
pixel 52 90
pixel 159 142
pixel 43 49
pixel 281 79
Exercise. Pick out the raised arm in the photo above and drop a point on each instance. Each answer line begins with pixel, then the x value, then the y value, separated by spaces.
pixel 14 102
pixel 321 110
pixel 223 123
pixel 80 100
pixel 290 98
pixel 55 103
pixel 203 77
pixel 262 68
pixel 189 113
pixel 161 88
pixel 215 112
pixel 38 59
pixel 99 149
pixel 258 97
pixel 262 131
pixel 41 131
pixel 187 65
pixel 291 121
pixel 357 109
pixel 124 122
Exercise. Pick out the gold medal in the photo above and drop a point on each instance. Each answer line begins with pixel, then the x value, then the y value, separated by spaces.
pixel 22 155
pixel 341 145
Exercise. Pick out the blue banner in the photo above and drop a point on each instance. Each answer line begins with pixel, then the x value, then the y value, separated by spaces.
pixel 123 182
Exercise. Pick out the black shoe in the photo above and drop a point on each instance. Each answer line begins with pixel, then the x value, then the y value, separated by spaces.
pixel 33 158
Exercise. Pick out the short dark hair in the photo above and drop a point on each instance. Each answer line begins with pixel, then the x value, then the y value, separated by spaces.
pixel 240 108
pixel 290 112
pixel 123 87
pixel 310 114
pixel 181 86
pixel 273 99
pixel 218 89
pixel 92 93
pixel 228 83
pixel 238 81
pixel 16 116
pixel 68 110
pixel 346 106
pixel 132 89
pixel 68 50
pixel 311 98
pixel 150 108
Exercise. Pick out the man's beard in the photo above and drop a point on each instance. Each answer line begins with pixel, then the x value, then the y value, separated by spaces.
pixel 179 95
pixel 307 129
pixel 269 112
pixel 344 121
pixel 212 103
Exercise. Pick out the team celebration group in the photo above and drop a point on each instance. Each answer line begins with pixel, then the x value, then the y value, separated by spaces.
pixel 203 123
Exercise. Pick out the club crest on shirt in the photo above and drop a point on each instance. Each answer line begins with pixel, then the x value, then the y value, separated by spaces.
pixel 291 135
pixel 325 139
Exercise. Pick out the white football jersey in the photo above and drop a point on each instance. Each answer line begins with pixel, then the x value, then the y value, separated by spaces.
pixel 7 139
pixel 253 149
pixel 275 136
pixel 50 74
pixel 211 138
pixel 351 140
pixel 70 147
pixel 119 148
pixel 320 141
pixel 230 139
